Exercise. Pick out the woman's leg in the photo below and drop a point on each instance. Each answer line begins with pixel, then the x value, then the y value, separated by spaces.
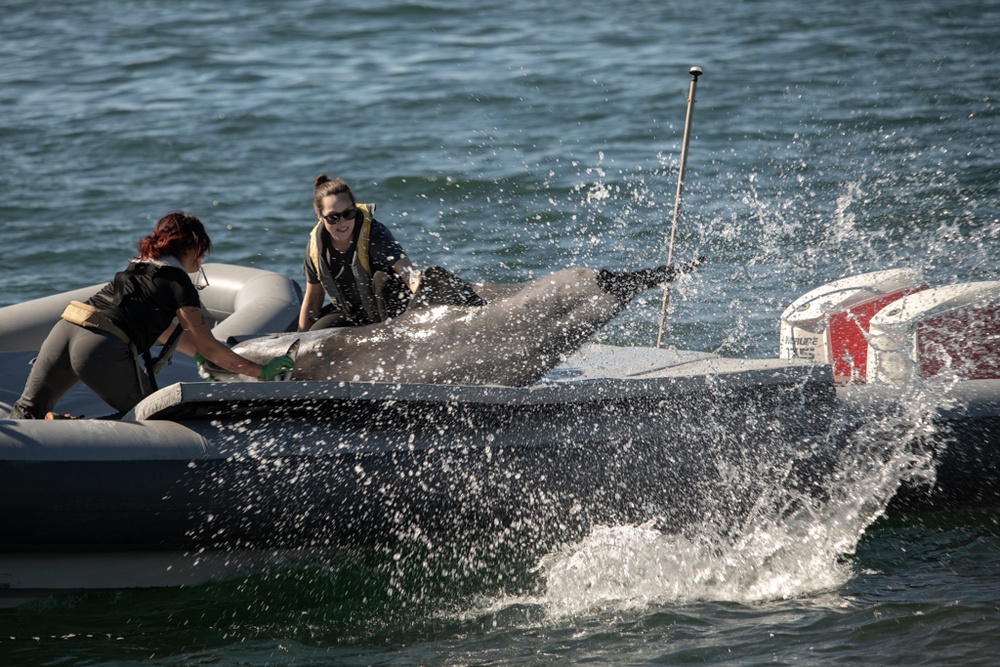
pixel 51 375
pixel 106 365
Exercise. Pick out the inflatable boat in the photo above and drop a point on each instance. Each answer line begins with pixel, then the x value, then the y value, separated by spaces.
pixel 203 479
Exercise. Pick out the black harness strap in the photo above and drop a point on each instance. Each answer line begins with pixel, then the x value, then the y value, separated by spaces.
pixel 153 366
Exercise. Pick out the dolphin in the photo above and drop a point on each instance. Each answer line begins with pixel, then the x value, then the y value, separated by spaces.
pixel 453 332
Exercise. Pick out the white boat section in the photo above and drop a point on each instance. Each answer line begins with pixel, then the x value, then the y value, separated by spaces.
pixel 241 300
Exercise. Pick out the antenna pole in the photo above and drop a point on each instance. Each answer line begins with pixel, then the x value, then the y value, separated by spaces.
pixel 695 73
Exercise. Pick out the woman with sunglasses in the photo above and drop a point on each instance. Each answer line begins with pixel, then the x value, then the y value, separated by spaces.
pixel 355 260
pixel 100 341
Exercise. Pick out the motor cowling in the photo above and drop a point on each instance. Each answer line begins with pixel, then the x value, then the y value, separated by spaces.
pixel 830 324
pixel 952 330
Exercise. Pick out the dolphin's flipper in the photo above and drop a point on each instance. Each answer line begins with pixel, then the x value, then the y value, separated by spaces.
pixel 627 284
pixel 209 370
pixel 440 287
pixel 293 352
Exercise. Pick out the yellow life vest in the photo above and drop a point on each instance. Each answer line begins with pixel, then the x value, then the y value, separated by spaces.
pixel 360 267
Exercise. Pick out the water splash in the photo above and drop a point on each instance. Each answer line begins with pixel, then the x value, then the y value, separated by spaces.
pixel 794 542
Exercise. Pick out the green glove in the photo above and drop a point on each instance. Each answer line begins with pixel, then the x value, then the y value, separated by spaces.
pixel 276 366
pixel 202 371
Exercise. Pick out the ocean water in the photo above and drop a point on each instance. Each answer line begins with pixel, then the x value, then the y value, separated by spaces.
pixel 504 140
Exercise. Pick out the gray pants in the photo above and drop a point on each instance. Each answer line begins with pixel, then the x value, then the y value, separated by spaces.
pixel 72 353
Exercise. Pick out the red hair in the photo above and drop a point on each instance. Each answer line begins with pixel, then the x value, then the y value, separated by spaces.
pixel 175 233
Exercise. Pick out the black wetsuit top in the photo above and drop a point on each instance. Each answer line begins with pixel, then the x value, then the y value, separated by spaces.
pixel 143 300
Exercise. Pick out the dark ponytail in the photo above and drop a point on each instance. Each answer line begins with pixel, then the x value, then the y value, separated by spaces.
pixel 324 187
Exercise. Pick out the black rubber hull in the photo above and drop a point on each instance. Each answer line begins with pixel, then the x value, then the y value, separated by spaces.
pixel 340 473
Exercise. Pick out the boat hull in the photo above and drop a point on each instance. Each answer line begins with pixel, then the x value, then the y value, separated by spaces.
pixel 961 433
pixel 214 476
pixel 301 465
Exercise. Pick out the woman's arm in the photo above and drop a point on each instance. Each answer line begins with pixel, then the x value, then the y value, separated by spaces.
pixel 312 302
pixel 198 338
pixel 165 336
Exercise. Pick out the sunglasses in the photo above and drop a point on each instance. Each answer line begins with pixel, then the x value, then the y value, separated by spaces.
pixel 201 280
pixel 347 214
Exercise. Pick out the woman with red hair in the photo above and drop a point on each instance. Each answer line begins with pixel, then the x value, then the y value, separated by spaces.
pixel 101 340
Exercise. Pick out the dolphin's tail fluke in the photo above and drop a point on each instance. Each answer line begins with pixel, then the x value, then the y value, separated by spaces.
pixel 627 284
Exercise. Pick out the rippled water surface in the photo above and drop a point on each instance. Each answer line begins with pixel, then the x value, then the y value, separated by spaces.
pixel 504 140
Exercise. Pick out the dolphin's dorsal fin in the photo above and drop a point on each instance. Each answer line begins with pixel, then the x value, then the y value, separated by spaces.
pixel 440 287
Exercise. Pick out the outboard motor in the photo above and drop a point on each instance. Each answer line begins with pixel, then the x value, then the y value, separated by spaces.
pixel 952 330
pixel 830 323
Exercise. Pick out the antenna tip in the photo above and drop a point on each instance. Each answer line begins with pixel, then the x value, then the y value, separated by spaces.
pixel 696 71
